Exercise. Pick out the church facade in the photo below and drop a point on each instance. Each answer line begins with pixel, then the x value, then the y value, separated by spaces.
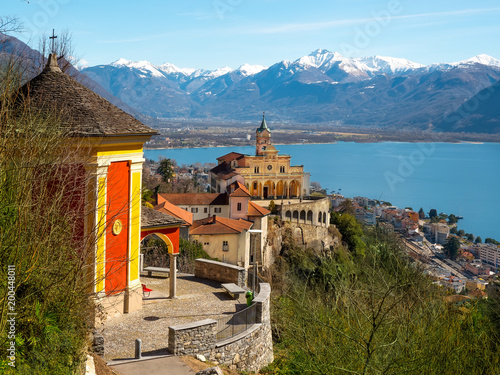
pixel 266 175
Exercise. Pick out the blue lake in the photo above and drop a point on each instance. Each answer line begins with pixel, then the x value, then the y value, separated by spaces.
pixel 463 179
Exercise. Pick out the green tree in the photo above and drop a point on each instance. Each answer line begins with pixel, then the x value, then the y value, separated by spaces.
pixel 469 236
pixel 454 230
pixel 166 170
pixel 492 241
pixel 478 240
pixel 272 207
pixel 147 198
pixel 40 236
pixel 372 315
pixel 347 207
pixel 451 247
pixel 351 232
pixel 432 213
pixel 452 219
pixel 421 214
pixel 461 233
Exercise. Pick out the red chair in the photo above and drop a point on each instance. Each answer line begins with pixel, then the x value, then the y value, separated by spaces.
pixel 146 290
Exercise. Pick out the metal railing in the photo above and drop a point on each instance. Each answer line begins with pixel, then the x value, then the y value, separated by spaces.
pixel 230 326
pixel 249 281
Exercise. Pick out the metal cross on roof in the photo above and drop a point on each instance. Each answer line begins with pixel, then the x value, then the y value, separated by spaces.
pixel 53 37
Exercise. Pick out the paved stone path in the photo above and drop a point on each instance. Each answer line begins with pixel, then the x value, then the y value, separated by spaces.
pixel 198 299
pixel 165 366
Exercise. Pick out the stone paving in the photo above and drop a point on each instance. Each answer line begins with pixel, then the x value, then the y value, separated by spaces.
pixel 198 299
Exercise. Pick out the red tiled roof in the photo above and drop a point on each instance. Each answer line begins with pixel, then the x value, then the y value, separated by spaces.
pixel 198 199
pixel 255 210
pixel 219 225
pixel 239 190
pixel 231 156
pixel 173 210
pixel 224 171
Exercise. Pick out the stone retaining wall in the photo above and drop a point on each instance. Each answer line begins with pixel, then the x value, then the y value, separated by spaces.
pixel 218 271
pixel 249 351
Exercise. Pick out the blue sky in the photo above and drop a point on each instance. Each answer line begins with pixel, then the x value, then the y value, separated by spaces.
pixel 214 33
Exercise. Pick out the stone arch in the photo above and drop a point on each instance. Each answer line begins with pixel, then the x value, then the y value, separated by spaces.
pixel 309 217
pixel 280 189
pixel 320 217
pixel 324 217
pixel 154 256
pixel 267 190
pixel 164 238
pixel 303 216
pixel 296 215
pixel 288 215
pixel 295 188
pixel 298 235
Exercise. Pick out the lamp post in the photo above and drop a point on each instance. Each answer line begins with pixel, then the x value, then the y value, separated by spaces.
pixel 254 231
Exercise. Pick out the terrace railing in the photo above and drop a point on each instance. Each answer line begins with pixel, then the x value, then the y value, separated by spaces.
pixel 232 325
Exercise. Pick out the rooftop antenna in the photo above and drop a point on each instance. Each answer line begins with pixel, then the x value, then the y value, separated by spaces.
pixel 53 40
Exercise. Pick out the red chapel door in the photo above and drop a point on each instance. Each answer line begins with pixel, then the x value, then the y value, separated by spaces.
pixel 117 218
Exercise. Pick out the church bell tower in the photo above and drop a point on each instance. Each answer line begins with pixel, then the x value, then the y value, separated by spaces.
pixel 262 137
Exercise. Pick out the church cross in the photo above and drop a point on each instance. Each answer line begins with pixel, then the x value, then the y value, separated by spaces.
pixel 53 38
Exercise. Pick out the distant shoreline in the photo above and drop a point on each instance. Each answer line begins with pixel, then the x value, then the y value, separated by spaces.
pixel 319 143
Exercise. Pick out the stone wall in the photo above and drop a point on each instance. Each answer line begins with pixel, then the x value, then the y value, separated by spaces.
pixel 308 236
pixel 249 351
pixel 218 271
pixel 313 212
pixel 193 338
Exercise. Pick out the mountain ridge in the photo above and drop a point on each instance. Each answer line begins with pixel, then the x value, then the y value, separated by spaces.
pixel 322 87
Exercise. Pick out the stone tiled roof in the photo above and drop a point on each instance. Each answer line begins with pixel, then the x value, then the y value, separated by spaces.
pixel 83 112
pixel 219 225
pixel 151 218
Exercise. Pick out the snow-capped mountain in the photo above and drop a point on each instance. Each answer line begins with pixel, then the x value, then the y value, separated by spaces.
pixel 323 86
pixel 480 59
pixel 250 70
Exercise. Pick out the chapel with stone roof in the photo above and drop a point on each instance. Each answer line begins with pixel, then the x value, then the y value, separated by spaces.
pixel 105 152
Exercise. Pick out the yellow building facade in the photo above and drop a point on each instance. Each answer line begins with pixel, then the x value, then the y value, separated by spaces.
pixel 267 175
pixel 105 155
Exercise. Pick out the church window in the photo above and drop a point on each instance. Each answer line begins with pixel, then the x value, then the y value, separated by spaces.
pixel 225 246
pixel 256 170
pixel 239 207
pixel 282 169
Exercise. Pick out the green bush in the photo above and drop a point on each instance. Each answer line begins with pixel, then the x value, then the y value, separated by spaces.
pixel 377 314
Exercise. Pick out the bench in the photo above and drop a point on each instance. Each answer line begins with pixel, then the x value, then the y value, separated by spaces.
pixel 233 290
pixel 150 270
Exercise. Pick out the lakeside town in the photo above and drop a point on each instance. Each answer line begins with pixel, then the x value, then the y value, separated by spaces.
pixel 467 270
